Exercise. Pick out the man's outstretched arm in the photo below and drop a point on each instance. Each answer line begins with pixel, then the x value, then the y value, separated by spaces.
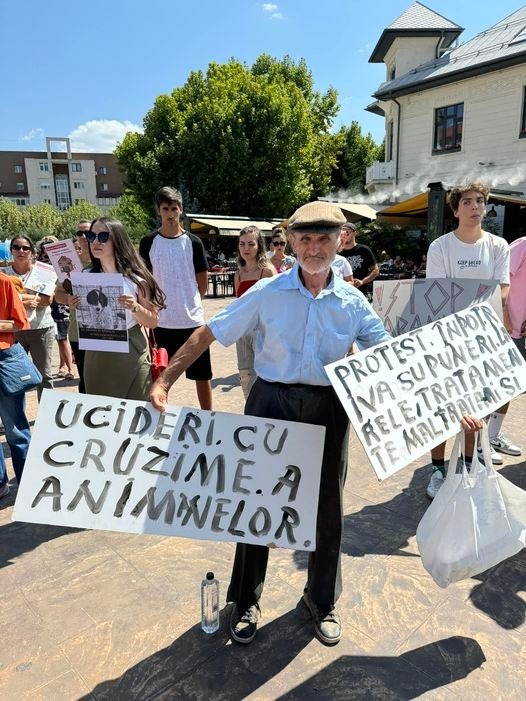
pixel 198 342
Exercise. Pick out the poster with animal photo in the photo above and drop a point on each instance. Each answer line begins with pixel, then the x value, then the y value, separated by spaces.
pixel 64 258
pixel 101 319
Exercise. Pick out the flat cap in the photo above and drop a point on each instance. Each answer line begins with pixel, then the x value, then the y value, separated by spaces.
pixel 317 218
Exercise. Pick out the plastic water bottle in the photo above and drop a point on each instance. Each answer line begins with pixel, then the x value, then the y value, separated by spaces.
pixel 210 603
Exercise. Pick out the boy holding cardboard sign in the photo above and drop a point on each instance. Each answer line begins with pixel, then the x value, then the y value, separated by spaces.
pixel 469 252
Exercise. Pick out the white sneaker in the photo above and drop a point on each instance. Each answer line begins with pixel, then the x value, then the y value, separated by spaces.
pixel 504 445
pixel 435 482
pixel 495 457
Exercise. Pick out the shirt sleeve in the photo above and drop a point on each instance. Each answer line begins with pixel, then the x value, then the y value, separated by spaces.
pixel 239 319
pixel 15 310
pixel 502 262
pixel 435 266
pixel 371 260
pixel 517 257
pixel 199 256
pixel 371 330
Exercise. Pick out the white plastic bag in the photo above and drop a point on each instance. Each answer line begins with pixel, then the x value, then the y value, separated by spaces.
pixel 476 520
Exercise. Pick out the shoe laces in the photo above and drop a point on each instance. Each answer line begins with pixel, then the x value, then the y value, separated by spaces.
pixel 251 615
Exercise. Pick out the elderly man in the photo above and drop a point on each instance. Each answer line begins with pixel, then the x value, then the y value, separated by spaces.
pixel 322 317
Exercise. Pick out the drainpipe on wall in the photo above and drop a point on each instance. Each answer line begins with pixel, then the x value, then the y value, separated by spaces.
pixel 397 138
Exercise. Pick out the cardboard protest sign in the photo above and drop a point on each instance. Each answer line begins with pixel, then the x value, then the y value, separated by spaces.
pixel 409 394
pixel 64 258
pixel 119 465
pixel 404 305
pixel 100 318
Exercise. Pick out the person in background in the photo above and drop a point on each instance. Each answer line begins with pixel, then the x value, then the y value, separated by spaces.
pixel 363 263
pixel 81 244
pixel 278 244
pixel 60 314
pixel 123 375
pixel 469 252
pixel 517 294
pixel 253 265
pixel 178 262
pixel 12 408
pixel 39 339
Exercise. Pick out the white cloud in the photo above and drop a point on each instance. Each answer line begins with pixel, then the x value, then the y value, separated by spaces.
pixel 100 135
pixel 273 9
pixel 33 134
pixel 364 49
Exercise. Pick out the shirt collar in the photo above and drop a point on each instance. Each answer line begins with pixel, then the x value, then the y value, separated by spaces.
pixel 291 281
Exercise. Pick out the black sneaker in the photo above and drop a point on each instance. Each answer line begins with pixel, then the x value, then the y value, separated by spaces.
pixel 327 622
pixel 244 624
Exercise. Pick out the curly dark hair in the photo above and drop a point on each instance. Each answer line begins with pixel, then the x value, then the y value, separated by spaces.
pixel 127 261
pixel 456 194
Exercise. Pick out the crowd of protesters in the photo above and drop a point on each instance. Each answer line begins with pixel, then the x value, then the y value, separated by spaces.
pixel 289 305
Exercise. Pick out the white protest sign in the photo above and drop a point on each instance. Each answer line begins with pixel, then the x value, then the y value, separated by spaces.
pixel 101 320
pixel 409 394
pixel 119 465
pixel 404 305
pixel 41 279
pixel 64 258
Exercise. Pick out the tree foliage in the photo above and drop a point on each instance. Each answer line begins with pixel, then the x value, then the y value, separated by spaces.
pixel 78 211
pixel 356 153
pixel 10 218
pixel 134 216
pixel 40 219
pixel 237 140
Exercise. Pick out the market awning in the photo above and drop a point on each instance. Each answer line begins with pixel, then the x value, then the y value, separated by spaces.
pixel 355 211
pixel 227 227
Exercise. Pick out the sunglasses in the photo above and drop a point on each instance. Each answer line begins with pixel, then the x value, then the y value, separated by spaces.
pixel 16 247
pixel 101 237
pixel 278 243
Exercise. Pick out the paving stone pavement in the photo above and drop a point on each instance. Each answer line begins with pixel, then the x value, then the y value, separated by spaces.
pixel 98 615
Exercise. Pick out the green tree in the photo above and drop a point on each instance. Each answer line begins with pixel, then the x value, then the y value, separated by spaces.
pixel 40 219
pixel 69 218
pixel 356 153
pixel 10 218
pixel 133 215
pixel 236 140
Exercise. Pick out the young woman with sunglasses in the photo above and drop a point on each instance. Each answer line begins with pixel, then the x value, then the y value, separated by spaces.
pixel 39 339
pixel 112 374
pixel 279 259
pixel 253 265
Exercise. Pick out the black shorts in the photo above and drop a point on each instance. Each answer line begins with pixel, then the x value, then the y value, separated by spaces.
pixel 173 339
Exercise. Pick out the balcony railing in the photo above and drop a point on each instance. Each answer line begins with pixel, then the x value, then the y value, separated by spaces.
pixel 379 172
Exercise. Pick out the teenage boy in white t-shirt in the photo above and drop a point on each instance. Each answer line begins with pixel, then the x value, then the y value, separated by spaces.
pixel 470 252
pixel 178 262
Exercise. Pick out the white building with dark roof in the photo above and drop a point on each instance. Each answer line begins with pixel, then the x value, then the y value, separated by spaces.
pixel 452 111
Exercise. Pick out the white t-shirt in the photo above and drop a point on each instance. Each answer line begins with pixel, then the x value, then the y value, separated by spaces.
pixel 341 266
pixel 173 268
pixel 486 259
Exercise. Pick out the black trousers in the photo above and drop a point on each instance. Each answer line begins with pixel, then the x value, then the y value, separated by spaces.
pixel 315 405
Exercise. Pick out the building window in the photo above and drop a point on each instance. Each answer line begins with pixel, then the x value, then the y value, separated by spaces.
pixel 20 202
pixel 523 120
pixel 390 133
pixel 448 128
pixel 45 186
pixel 44 166
pixel 47 201
pixel 76 167
pixel 104 187
pixel 20 187
pixel 18 169
pixel 103 170
pixel 78 185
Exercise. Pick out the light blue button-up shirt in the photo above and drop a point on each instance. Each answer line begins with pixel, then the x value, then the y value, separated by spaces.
pixel 296 334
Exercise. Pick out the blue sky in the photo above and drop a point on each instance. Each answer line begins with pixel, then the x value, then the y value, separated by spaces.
pixel 92 70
